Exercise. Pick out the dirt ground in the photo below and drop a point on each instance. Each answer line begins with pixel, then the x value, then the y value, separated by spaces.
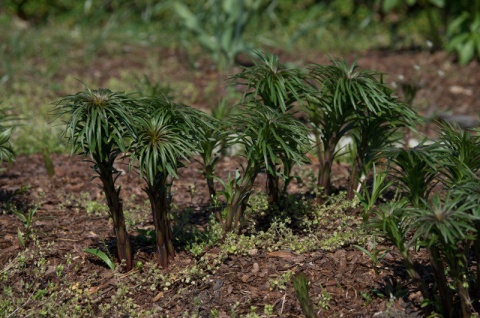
pixel 240 282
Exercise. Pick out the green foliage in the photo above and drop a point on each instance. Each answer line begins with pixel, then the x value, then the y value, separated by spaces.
pixel 445 225
pixel 374 253
pixel 270 83
pixel 6 151
pixel 357 103
pixel 270 139
pixel 162 139
pixel 273 89
pixel 464 36
pixel 300 283
pixel 219 26
pixel 415 171
pixel 101 255
pixel 27 219
pixel 97 126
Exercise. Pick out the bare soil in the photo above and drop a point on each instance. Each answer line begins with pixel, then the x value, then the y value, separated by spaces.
pixel 240 281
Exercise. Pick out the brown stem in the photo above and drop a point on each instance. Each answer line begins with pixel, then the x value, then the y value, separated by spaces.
pixel 272 190
pixel 114 203
pixel 157 194
pixel 441 280
pixel 354 178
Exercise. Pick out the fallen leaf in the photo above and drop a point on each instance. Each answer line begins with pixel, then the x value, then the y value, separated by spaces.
pixel 281 254
pixel 158 297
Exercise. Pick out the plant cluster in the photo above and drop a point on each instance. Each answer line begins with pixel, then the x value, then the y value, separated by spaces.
pixel 436 209
pixel 159 137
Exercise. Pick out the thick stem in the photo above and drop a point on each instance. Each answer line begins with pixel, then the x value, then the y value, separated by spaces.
pixel 354 178
pixel 157 194
pixel 272 190
pixel 114 203
pixel 237 206
pixel 441 279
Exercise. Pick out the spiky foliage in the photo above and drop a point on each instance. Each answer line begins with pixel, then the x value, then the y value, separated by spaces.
pixel 358 102
pixel 6 151
pixel 446 225
pixel 271 139
pixel 415 171
pixel 97 123
pixel 271 83
pixel 463 147
pixel 275 86
pixel 164 139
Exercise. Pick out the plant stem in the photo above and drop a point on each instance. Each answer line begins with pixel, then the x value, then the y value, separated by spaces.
pixel 441 280
pixel 272 190
pixel 157 194
pixel 124 250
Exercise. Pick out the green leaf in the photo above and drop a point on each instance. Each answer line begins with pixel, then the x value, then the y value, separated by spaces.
pixel 466 52
pixel 389 5
pixel 189 19
pixel 20 237
pixel 100 254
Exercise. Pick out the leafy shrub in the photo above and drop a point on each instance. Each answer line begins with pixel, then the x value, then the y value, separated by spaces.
pixel 446 226
pixel 97 124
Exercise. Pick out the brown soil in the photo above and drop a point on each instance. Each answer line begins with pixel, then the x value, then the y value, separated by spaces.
pixel 240 281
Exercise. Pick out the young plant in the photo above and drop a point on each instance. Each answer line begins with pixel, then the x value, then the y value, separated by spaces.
pixel 279 88
pixel 6 151
pixel 376 255
pixel 97 123
pixel 270 138
pixel 373 134
pixel 213 138
pixel 357 102
pixel 101 255
pixel 300 283
pixel 27 220
pixel 164 136
pixel 445 228
pixel 415 171
pixel 368 198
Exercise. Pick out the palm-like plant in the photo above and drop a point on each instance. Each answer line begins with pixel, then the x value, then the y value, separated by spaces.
pixel 164 137
pixel 98 121
pixel 6 151
pixel 272 85
pixel 352 100
pixel 445 228
pixel 271 138
pixel 463 160
pixel 212 141
pixel 415 171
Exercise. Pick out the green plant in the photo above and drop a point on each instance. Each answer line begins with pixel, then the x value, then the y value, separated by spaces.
pixel 463 34
pixel 97 124
pixel 300 283
pixel 357 103
pixel 271 138
pixel 160 142
pixel 376 255
pixel 277 87
pixel 27 220
pixel 369 198
pixel 6 151
pixel 101 255
pixel 415 171
pixel 219 26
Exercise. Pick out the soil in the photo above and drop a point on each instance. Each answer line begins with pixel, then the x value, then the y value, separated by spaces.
pixel 240 281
